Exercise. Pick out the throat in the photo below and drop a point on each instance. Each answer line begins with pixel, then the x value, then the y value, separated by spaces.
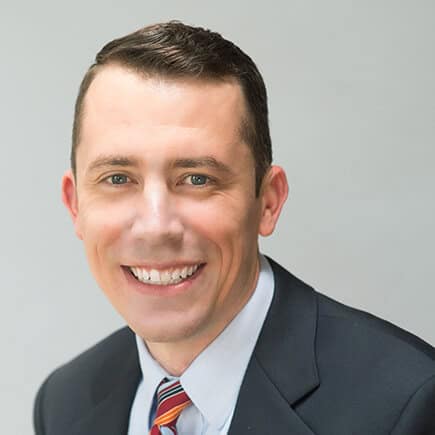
pixel 164 353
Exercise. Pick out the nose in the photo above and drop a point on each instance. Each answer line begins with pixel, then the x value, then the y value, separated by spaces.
pixel 157 219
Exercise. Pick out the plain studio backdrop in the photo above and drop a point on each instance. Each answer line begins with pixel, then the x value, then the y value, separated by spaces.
pixel 351 91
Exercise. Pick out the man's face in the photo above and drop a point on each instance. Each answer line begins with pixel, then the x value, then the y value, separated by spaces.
pixel 164 201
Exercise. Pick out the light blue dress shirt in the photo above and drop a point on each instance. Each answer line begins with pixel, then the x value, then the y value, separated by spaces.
pixel 214 378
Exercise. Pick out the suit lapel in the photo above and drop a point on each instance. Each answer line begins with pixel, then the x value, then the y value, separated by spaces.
pixel 112 396
pixel 283 368
pixel 262 410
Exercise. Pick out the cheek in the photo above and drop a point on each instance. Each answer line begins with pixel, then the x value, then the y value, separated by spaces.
pixel 102 226
pixel 230 224
pixel 212 218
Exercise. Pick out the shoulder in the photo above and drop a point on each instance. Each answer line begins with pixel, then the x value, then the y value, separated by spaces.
pixel 365 338
pixel 376 367
pixel 82 368
pixel 347 326
pixel 376 372
pixel 366 327
pixel 81 379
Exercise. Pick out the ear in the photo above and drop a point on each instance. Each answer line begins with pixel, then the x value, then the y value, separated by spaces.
pixel 273 194
pixel 69 198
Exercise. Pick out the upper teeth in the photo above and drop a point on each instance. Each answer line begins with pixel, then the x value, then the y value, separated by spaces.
pixel 163 277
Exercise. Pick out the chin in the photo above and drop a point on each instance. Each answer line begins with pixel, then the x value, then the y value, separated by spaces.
pixel 169 331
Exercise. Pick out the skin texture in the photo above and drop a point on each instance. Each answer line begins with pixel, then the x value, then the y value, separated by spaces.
pixel 135 201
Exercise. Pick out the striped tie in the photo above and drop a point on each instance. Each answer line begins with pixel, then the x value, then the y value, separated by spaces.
pixel 171 400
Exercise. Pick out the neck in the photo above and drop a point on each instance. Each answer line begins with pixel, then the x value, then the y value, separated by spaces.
pixel 175 358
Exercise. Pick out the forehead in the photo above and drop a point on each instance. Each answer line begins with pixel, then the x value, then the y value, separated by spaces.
pixel 125 106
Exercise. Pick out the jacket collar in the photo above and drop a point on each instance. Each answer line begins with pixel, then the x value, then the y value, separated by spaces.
pixel 283 367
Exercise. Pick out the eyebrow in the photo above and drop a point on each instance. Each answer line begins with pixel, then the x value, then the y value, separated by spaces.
pixel 205 161
pixel 186 163
pixel 104 161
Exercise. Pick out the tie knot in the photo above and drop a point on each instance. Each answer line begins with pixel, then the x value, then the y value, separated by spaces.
pixel 171 400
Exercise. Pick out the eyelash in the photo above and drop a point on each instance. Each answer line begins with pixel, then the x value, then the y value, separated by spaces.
pixel 109 177
pixel 208 180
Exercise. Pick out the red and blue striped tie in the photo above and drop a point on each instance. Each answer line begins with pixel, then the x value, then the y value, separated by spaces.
pixel 171 400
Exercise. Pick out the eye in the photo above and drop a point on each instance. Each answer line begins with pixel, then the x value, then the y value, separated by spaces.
pixel 118 179
pixel 197 179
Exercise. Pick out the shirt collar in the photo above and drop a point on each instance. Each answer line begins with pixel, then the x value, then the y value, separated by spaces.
pixel 221 366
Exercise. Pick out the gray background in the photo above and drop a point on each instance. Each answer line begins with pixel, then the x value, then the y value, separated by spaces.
pixel 351 86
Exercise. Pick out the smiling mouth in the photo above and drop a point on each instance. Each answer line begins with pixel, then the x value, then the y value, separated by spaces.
pixel 170 276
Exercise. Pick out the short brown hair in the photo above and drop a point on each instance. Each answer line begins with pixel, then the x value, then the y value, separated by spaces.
pixel 176 50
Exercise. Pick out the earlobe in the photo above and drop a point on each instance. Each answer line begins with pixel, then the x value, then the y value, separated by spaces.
pixel 69 198
pixel 274 194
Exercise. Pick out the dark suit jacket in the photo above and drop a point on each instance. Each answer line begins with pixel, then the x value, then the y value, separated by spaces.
pixel 319 367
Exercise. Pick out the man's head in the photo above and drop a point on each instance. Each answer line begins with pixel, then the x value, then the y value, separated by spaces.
pixel 174 50
pixel 165 200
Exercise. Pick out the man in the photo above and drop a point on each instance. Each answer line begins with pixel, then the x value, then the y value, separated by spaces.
pixel 171 183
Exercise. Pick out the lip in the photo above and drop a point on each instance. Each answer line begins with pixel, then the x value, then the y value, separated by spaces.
pixel 162 290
